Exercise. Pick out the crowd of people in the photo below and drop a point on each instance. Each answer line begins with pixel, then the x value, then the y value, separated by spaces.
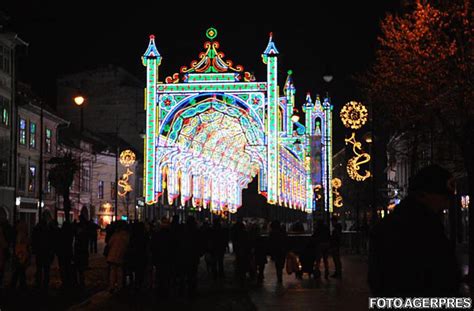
pixel 164 254
pixel 71 244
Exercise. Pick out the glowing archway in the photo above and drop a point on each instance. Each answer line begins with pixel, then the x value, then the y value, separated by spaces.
pixel 212 128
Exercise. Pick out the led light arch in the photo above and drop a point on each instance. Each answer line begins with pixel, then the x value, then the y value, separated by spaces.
pixel 212 127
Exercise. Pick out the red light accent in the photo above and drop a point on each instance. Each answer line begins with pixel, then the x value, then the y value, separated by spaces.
pixel 152 37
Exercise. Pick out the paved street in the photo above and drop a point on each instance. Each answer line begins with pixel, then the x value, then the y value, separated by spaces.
pixel 307 294
pixel 349 293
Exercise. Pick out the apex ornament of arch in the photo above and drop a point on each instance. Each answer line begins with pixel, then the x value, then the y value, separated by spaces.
pixel 212 128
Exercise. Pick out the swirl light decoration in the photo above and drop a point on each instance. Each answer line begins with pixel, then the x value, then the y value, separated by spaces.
pixel 354 163
pixel 354 115
pixel 336 184
pixel 123 183
pixel 127 158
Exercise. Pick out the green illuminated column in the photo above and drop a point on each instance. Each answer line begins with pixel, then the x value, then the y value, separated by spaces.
pixel 270 58
pixel 290 103
pixel 151 60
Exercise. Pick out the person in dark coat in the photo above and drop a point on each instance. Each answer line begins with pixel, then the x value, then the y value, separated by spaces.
pixel 43 246
pixel 277 247
pixel 219 241
pixel 81 251
pixel 409 253
pixel 163 250
pixel 190 249
pixel 335 246
pixel 64 252
pixel 260 253
pixel 93 227
pixel 321 238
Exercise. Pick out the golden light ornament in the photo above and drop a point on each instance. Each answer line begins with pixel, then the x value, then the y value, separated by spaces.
pixel 127 158
pixel 123 183
pixel 354 115
pixel 336 184
pixel 360 158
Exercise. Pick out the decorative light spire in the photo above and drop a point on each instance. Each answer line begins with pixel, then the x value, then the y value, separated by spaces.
pixel 309 101
pixel 152 51
pixel 271 48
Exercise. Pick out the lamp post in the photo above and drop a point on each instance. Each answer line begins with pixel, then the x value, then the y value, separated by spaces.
pixel 79 101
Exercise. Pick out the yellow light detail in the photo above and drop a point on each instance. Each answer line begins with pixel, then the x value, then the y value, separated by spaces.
pixel 354 163
pixel 336 184
pixel 354 115
pixel 127 158
pixel 123 182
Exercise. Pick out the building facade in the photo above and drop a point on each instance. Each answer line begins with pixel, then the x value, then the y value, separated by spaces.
pixel 9 45
pixel 30 154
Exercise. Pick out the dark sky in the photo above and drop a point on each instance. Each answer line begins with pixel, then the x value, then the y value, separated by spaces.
pixel 336 35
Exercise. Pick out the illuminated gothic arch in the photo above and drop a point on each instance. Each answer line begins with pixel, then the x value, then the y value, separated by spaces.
pixel 212 128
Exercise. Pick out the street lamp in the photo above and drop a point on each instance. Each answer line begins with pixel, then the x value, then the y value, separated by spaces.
pixel 79 101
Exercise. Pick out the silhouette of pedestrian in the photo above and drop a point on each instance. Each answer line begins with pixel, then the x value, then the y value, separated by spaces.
pixel 65 253
pixel 93 227
pixel 43 250
pixel 335 243
pixel 163 248
pixel 321 237
pixel 21 255
pixel 118 245
pixel 219 244
pixel 277 246
pixel 81 251
pixel 409 253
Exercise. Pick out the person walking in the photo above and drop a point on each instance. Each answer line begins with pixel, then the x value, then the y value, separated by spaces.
pixel 93 235
pixel 335 245
pixel 65 253
pixel 219 241
pixel 277 246
pixel 81 251
pixel 21 255
pixel 409 253
pixel 118 245
pixel 43 246
pixel 321 238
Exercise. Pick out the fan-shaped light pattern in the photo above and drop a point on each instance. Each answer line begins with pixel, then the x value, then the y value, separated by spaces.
pixel 210 154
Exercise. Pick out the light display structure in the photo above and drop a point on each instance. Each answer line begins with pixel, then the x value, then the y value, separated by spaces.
pixel 212 128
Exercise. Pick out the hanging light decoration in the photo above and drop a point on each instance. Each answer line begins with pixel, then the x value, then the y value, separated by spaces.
pixel 354 115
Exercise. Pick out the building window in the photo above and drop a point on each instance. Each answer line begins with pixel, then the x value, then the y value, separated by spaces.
pixel 32 135
pixel 5 58
pixel 22 135
pixel 4 111
pixel 49 134
pixel 32 178
pixel 86 178
pixel 100 193
pixel 22 179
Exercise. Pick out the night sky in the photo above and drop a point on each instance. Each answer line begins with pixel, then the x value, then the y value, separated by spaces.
pixel 339 36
